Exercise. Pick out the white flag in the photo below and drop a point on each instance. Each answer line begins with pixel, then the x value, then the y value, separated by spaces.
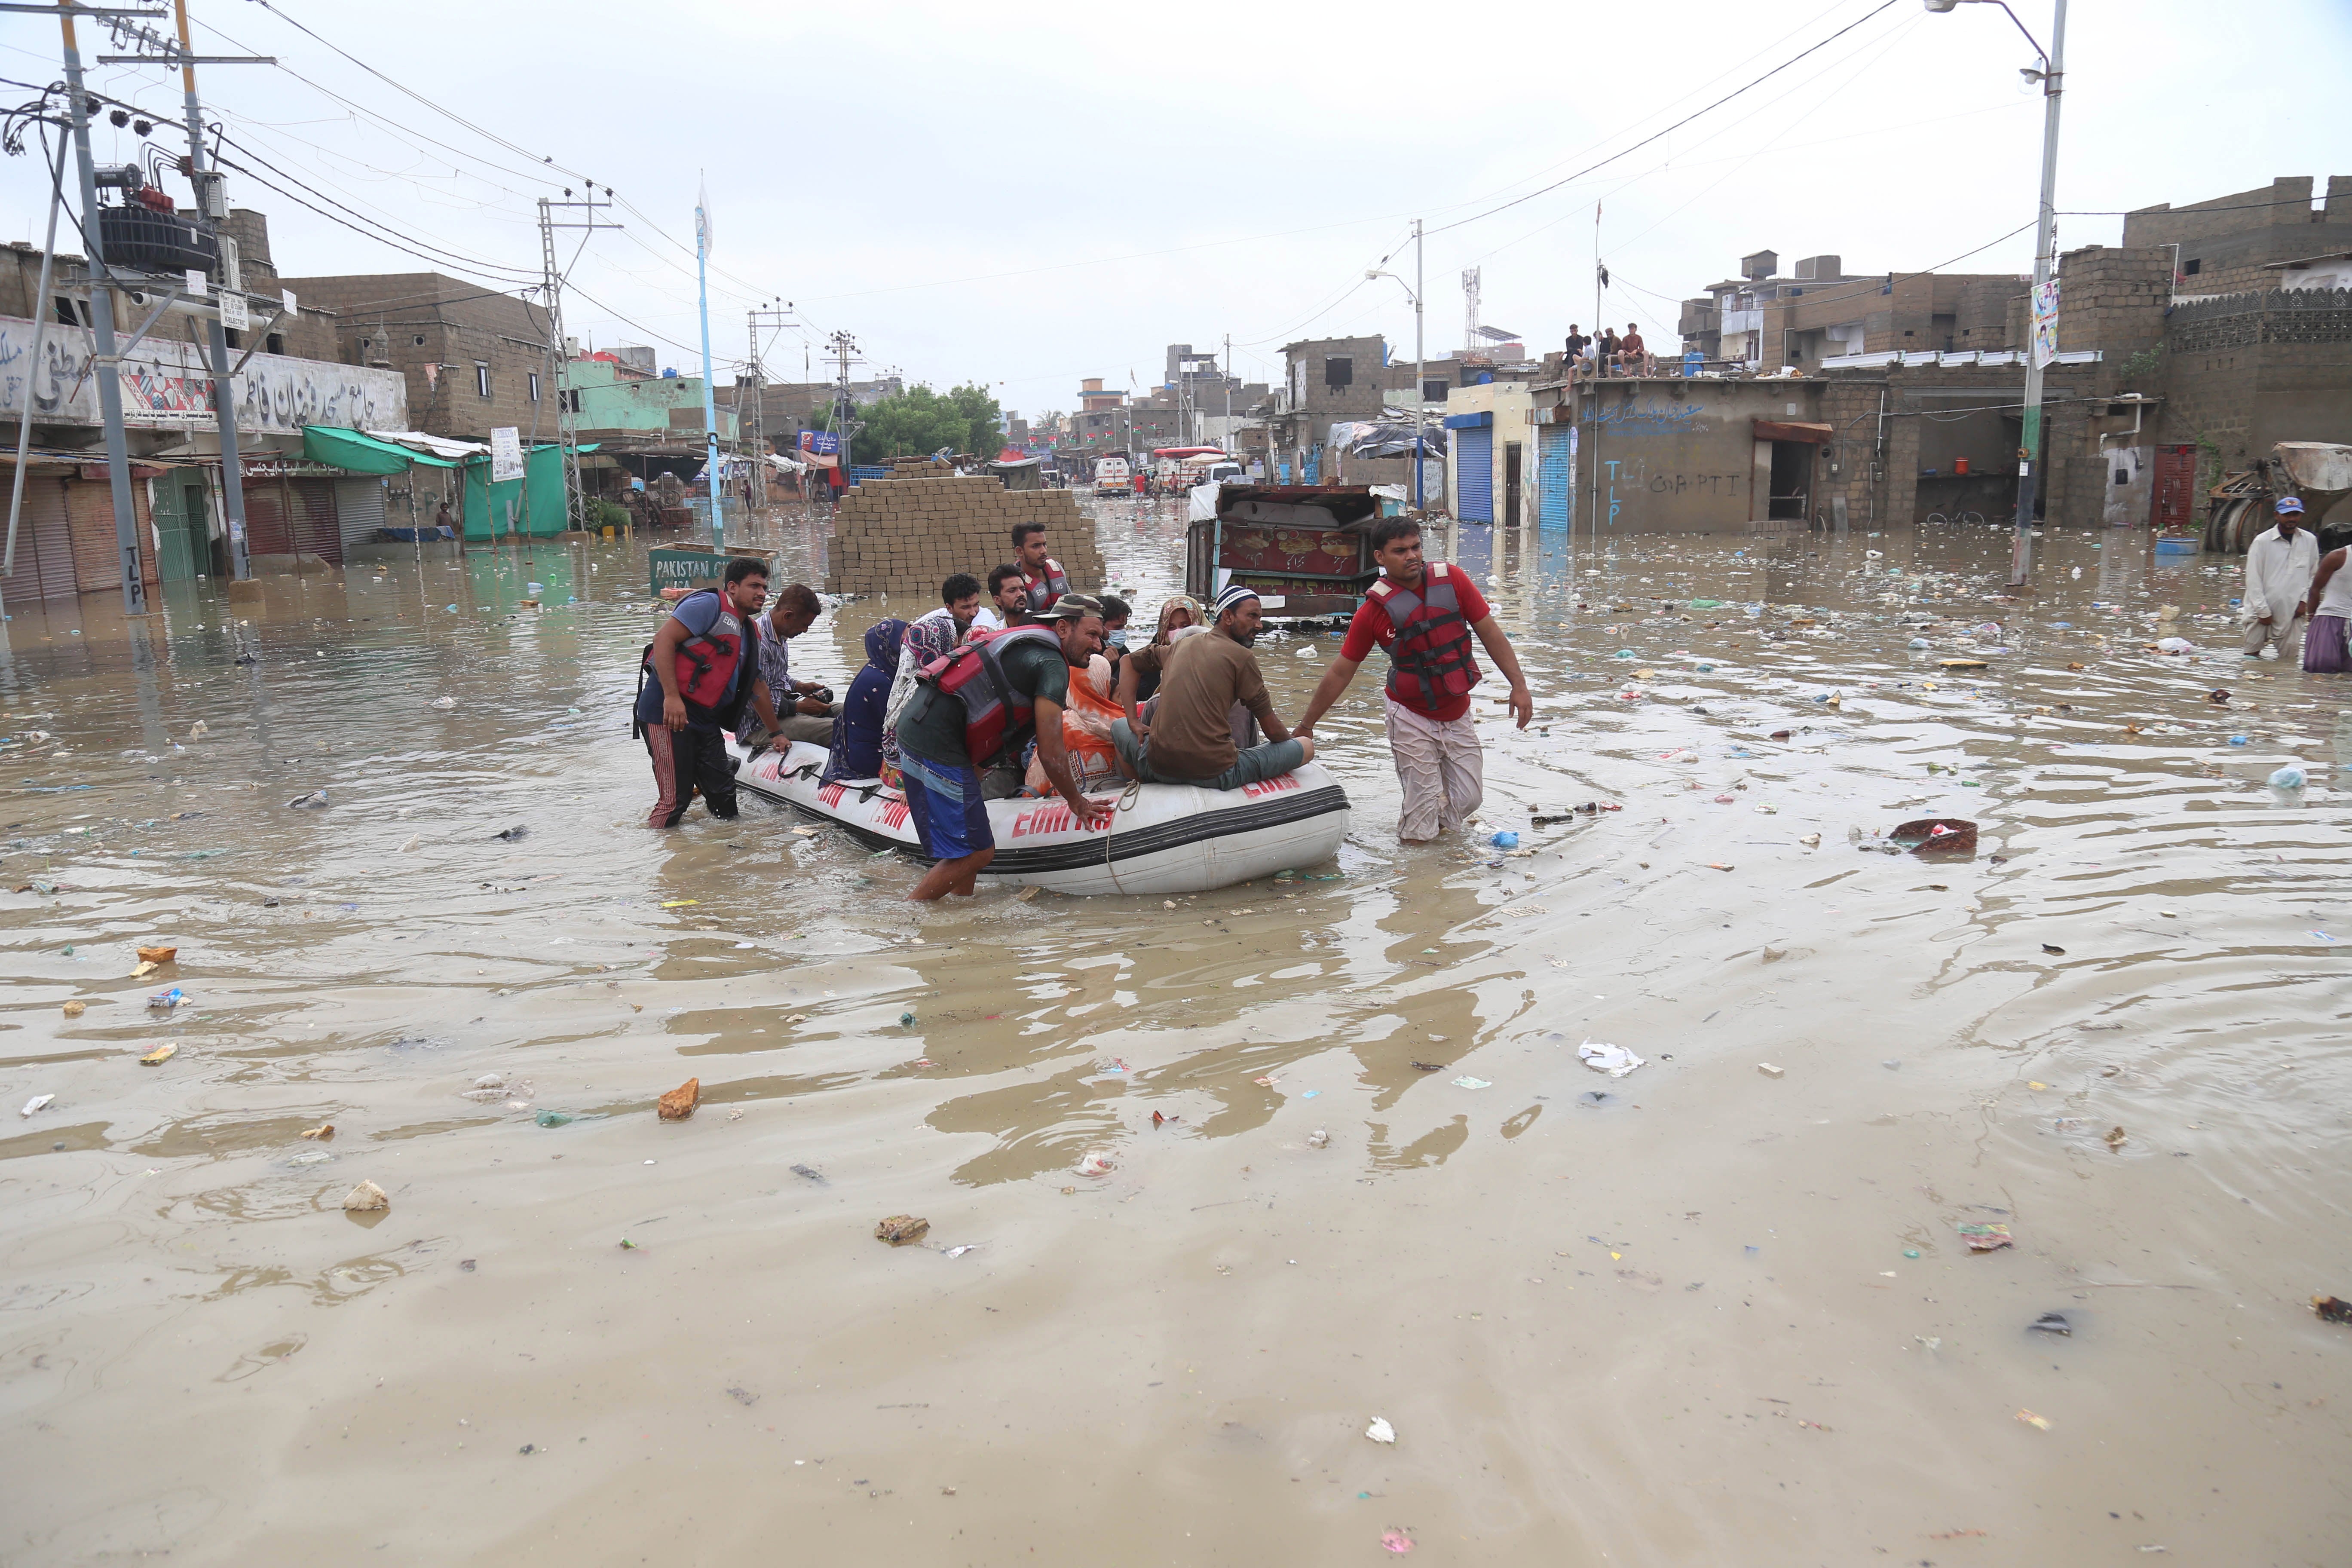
pixel 702 217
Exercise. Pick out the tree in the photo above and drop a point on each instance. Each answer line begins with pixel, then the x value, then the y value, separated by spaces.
pixel 922 421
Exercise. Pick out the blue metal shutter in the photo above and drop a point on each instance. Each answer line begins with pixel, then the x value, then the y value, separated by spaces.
pixel 1474 471
pixel 1555 477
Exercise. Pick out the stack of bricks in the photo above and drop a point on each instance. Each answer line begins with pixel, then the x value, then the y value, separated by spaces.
pixel 903 537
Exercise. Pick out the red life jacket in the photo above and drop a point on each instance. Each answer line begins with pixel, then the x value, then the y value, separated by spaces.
pixel 1043 591
pixel 996 717
pixel 1430 662
pixel 706 665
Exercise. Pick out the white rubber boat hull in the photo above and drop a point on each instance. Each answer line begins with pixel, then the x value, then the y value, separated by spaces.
pixel 1165 838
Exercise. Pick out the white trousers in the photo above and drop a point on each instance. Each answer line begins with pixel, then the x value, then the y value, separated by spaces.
pixel 1441 767
pixel 2279 634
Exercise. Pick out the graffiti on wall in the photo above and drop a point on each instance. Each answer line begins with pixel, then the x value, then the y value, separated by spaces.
pixel 1649 418
pixel 164 386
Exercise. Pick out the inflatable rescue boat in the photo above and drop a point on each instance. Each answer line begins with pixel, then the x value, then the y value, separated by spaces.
pixel 1164 838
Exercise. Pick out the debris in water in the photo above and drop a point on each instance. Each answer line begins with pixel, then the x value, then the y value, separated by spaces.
pixel 811 1174
pixel 554 1119
pixel 1425 1066
pixel 1380 1431
pixel 1318 1139
pixel 1468 1082
pixel 1395 1540
pixel 1096 1164
pixel 311 801
pixel 1769 1070
pixel 901 1228
pixel 511 835
pixel 2052 1323
pixel 2115 1140
pixel 444 704
pixel 2332 1309
pixel 679 1103
pixel 159 1055
pixel 2031 1419
pixel 365 1198
pixel 2053 948
pixel 158 955
pixel 36 1103
pixel 75 1009
pixel 1811 841
pixel 322 1132
pixel 2288 778
pixel 1614 1060
pixel 1985 1237
pixel 164 1001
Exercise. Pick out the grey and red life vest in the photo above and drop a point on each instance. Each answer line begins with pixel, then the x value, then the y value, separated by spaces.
pixel 1430 662
pixel 996 717
pixel 706 666
pixel 1043 591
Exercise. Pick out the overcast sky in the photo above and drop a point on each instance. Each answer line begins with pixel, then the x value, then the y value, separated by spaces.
pixel 1031 196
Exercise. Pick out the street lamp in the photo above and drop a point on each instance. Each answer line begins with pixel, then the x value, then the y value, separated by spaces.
pixel 1413 292
pixel 2051 77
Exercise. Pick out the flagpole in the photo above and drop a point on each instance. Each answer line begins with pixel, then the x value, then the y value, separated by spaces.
pixel 710 404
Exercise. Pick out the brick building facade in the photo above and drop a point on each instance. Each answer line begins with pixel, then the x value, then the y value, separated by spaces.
pixel 474 360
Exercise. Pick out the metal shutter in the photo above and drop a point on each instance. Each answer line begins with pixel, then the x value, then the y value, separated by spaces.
pixel 45 558
pixel 1555 478
pixel 360 505
pixel 265 519
pixel 316 532
pixel 1474 471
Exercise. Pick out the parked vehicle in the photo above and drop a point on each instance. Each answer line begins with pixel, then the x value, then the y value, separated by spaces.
pixel 1111 477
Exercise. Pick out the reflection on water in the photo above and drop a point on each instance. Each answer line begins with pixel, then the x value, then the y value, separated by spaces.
pixel 1684 1316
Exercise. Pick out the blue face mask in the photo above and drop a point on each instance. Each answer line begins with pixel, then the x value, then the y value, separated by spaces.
pixel 1117 639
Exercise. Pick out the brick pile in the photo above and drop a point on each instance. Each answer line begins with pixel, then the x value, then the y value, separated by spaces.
pixel 905 536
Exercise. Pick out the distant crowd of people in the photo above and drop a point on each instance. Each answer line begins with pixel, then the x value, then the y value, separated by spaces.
pixel 1611 354
pixel 1029 687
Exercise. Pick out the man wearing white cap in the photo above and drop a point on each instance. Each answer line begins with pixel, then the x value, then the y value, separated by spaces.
pixel 1206 682
pixel 2280 565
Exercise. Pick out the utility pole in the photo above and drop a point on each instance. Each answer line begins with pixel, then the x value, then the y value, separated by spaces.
pixel 106 361
pixel 1226 366
pixel 1418 371
pixel 1591 391
pixel 2045 263
pixel 756 319
pixel 211 212
pixel 844 346
pixel 558 347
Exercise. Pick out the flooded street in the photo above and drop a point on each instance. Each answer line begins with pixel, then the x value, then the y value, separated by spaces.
pixel 1701 1314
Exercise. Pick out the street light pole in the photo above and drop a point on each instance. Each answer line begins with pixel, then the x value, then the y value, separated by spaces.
pixel 2052 76
pixel 1412 290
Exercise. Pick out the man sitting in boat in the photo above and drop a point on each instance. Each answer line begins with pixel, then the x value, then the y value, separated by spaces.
pixel 856 747
pixel 806 708
pixel 975 707
pixel 1041 576
pixel 932 634
pixel 1008 598
pixel 1190 737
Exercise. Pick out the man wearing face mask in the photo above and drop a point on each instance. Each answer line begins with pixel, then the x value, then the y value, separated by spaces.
pixel 1205 680
pixel 1117 613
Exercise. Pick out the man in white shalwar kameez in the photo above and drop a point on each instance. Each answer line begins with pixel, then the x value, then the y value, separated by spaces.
pixel 2280 565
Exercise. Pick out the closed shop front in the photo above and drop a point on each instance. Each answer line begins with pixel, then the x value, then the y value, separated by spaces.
pixel 44 557
pixel 289 514
pixel 359 507
pixel 1473 473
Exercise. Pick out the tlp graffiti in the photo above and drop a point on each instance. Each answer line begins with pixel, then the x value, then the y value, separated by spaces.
pixel 1636 476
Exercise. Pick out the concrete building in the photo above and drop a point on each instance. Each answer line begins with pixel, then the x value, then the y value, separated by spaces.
pixel 473 361
pixel 1490 428
pixel 1763 322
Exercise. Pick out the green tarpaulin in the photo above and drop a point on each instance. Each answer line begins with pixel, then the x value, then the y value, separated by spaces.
pixel 532 505
pixel 362 454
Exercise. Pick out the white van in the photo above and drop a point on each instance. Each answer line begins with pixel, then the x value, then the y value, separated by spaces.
pixel 1111 477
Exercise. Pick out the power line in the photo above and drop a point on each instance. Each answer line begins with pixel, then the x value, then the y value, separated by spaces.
pixel 1685 120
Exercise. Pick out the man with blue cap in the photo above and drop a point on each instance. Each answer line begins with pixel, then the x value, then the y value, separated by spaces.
pixel 1210 689
pixel 2280 565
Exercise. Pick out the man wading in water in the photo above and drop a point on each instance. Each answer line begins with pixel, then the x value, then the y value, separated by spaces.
pixel 706 665
pixel 976 705
pixel 1425 616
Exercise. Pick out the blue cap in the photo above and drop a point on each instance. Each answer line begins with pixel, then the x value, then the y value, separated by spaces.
pixel 2288 506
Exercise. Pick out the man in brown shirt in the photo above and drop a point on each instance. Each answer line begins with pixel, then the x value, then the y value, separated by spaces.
pixel 1190 738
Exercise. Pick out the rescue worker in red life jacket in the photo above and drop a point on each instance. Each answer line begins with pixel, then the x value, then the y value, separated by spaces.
pixel 980 703
pixel 1425 616
pixel 1040 574
pixel 705 662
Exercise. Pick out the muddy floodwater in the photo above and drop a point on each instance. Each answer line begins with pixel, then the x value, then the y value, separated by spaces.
pixel 1718 1311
